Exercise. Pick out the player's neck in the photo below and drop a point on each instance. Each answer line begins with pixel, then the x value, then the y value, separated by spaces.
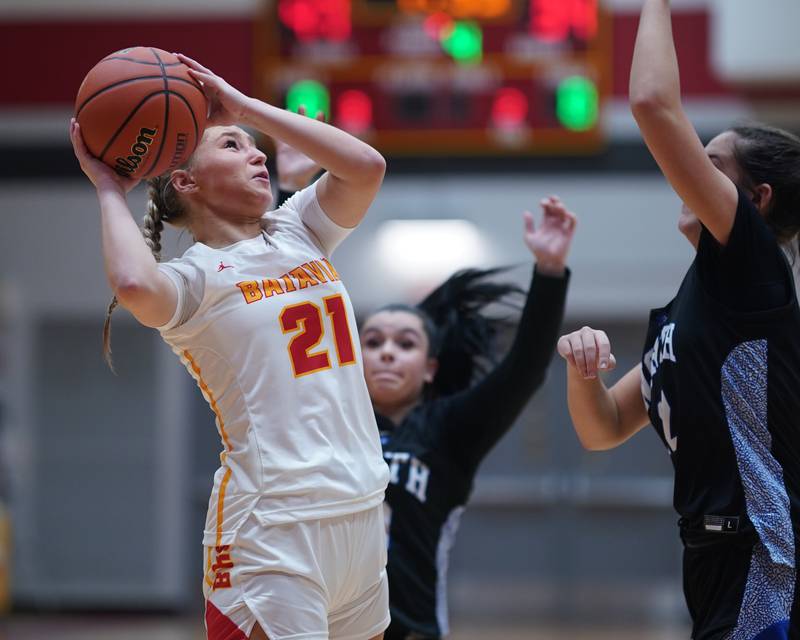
pixel 218 232
pixel 396 413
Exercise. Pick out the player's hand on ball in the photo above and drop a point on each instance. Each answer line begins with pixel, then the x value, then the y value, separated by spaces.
pixel 295 169
pixel 551 240
pixel 101 175
pixel 588 350
pixel 226 104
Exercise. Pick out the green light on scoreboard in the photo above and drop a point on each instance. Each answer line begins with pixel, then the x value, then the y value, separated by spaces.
pixel 463 41
pixel 310 94
pixel 577 103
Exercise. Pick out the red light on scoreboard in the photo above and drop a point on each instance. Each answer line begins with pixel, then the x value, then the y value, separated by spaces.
pixel 556 20
pixel 509 109
pixel 354 111
pixel 437 24
pixel 317 19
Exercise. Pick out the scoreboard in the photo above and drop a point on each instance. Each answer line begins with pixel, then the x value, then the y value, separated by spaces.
pixel 443 77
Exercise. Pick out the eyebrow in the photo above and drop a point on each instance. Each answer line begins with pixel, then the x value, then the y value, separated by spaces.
pixel 413 332
pixel 239 134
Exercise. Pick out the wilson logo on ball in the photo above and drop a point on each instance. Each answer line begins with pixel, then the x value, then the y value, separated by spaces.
pixel 126 166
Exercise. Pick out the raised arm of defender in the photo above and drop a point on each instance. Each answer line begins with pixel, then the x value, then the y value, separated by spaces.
pixel 655 97
pixel 603 418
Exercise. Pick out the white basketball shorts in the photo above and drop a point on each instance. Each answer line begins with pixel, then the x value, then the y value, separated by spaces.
pixel 305 580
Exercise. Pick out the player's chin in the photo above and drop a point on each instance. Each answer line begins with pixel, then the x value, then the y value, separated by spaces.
pixel 262 195
pixel 689 225
pixel 384 392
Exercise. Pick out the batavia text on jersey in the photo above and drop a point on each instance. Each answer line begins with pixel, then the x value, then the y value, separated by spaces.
pixel 309 274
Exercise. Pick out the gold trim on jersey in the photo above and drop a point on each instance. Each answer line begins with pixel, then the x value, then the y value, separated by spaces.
pixel 209 396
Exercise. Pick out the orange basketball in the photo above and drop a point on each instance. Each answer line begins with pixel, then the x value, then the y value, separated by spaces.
pixel 141 112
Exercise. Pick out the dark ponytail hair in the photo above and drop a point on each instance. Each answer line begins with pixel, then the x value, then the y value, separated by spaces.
pixel 771 155
pixel 460 335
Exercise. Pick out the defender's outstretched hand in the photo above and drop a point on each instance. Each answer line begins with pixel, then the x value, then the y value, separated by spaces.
pixel 588 350
pixel 550 242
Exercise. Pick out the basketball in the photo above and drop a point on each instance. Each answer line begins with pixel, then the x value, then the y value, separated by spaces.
pixel 141 112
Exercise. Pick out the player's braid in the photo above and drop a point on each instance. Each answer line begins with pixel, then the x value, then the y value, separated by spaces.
pixel 107 334
pixel 152 226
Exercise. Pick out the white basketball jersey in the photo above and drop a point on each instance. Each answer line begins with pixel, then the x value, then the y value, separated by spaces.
pixel 274 348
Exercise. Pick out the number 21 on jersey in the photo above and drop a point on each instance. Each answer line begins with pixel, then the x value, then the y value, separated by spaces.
pixel 306 321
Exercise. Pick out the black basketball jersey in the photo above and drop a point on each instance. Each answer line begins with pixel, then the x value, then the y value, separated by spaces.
pixel 721 381
pixel 433 456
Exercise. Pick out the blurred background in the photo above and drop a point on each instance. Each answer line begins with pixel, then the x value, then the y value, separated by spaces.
pixel 481 108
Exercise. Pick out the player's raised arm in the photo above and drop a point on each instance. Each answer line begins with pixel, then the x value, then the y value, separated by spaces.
pixel 509 385
pixel 354 169
pixel 603 418
pixel 655 98
pixel 130 266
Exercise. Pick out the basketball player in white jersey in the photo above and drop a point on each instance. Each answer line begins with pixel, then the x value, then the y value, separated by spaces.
pixel 294 542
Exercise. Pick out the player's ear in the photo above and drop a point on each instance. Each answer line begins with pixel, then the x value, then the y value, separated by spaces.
pixel 762 197
pixel 183 181
pixel 431 367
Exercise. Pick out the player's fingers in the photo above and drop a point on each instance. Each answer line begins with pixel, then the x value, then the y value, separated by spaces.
pixel 554 213
pixel 570 221
pixel 589 351
pixel 206 79
pixel 321 115
pixel 301 110
pixel 556 208
pixel 579 352
pixel 73 135
pixel 528 221
pixel 193 64
pixel 612 362
pixel 603 350
pixel 564 349
pixel 78 145
pixel 562 346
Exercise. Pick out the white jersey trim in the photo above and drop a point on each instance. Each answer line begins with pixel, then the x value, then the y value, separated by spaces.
pixel 180 289
pixel 446 540
pixel 327 233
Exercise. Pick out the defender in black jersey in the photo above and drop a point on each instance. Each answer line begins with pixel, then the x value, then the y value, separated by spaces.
pixel 437 423
pixel 720 373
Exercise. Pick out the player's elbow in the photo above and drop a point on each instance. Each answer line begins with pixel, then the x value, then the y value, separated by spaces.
pixel 596 437
pixel 649 103
pixel 130 290
pixel 590 443
pixel 372 165
pixel 597 445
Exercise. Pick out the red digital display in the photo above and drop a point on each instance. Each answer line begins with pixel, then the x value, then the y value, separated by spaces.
pixel 558 20
pixel 316 19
